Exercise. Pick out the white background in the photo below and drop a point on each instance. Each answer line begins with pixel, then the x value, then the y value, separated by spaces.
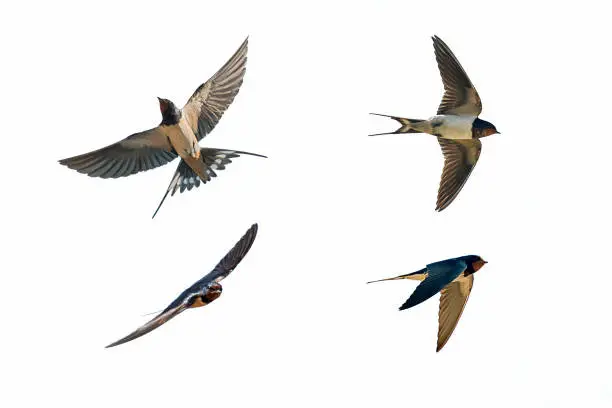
pixel 297 326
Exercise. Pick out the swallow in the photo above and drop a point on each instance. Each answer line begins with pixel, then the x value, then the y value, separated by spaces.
pixel 200 293
pixel 456 125
pixel 454 279
pixel 177 135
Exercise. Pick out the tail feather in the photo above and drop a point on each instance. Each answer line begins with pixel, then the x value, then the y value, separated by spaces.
pixel 407 125
pixel 418 275
pixel 192 172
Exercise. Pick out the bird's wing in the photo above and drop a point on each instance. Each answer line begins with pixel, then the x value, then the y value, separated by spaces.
pixel 138 152
pixel 452 302
pixel 185 178
pixel 174 309
pixel 439 275
pixel 460 96
pixel 460 157
pixel 207 104
pixel 232 258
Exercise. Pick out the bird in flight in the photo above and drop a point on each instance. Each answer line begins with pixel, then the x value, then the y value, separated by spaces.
pixel 200 293
pixel 454 279
pixel 177 135
pixel 456 125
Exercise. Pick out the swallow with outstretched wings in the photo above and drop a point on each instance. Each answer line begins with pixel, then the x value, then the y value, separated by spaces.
pixel 177 135
pixel 200 293
pixel 456 125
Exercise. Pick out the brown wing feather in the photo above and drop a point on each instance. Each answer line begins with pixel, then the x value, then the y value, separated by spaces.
pixel 138 152
pixel 452 302
pixel 460 96
pixel 460 157
pixel 208 103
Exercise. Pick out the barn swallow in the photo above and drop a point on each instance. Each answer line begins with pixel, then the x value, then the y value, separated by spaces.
pixel 456 125
pixel 178 134
pixel 453 278
pixel 202 292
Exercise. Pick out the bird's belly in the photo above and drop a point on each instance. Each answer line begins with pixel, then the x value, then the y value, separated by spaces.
pixel 453 126
pixel 183 140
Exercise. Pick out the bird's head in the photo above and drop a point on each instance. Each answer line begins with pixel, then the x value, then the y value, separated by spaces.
pixel 484 128
pixel 202 298
pixel 215 289
pixel 474 263
pixel 170 113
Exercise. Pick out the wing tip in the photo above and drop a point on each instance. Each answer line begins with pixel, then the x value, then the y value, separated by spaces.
pixel 116 343
pixel 405 306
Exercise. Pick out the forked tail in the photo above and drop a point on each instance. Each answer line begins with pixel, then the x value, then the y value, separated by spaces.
pixel 418 275
pixel 407 125
pixel 192 172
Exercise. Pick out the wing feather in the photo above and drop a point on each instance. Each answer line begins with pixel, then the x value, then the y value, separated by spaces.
pixel 138 152
pixel 453 299
pixel 460 158
pixel 460 96
pixel 208 103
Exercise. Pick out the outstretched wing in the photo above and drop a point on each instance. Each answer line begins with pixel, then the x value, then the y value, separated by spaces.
pixel 162 318
pixel 439 275
pixel 460 96
pixel 185 178
pixel 208 103
pixel 231 260
pixel 138 152
pixel 460 158
pixel 452 302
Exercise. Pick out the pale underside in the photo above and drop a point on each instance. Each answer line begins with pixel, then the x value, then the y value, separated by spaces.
pixel 453 299
pixel 182 138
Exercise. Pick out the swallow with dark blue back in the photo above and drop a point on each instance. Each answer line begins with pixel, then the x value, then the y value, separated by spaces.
pixel 454 279
pixel 200 293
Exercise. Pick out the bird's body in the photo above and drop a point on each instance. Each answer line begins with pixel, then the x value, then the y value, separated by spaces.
pixel 456 125
pixel 201 293
pixel 453 279
pixel 177 135
pixel 182 139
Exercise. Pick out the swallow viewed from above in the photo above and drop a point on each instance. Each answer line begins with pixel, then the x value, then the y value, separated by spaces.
pixel 453 278
pixel 202 292
pixel 178 134
pixel 456 125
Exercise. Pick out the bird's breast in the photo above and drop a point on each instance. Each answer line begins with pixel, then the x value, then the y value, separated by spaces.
pixel 453 126
pixel 199 302
pixel 182 138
